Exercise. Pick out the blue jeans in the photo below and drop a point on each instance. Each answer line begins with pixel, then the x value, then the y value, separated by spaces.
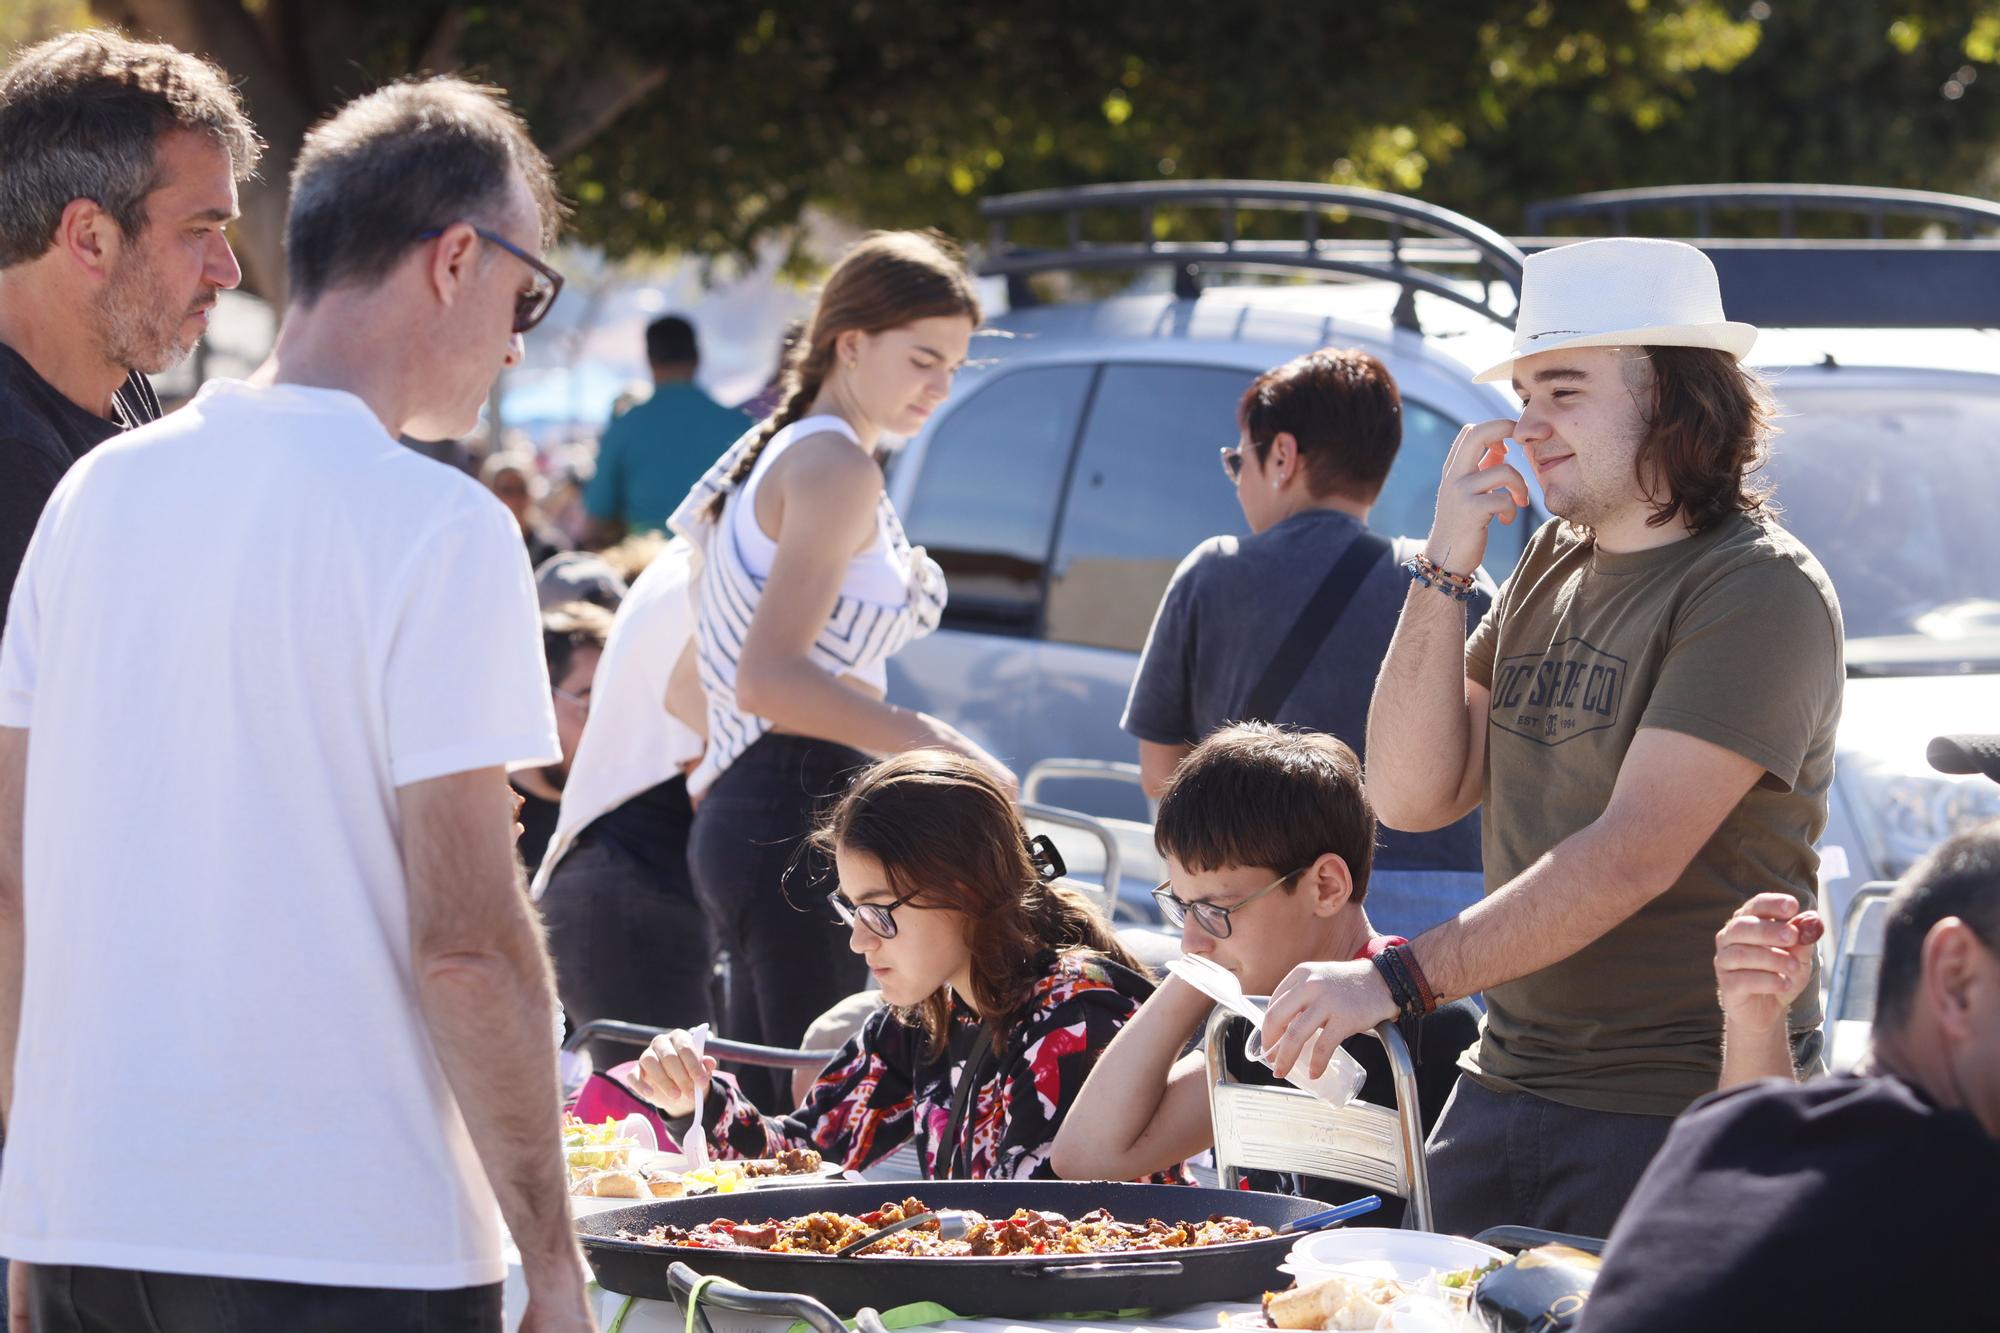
pixel 69 1299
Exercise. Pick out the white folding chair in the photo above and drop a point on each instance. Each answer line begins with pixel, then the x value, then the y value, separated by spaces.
pixel 1857 971
pixel 1282 1128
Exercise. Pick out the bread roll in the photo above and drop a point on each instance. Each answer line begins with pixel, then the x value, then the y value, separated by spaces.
pixel 618 1185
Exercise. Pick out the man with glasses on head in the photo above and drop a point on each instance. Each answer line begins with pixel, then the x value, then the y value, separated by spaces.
pixel 1269 839
pixel 289 783
pixel 1290 624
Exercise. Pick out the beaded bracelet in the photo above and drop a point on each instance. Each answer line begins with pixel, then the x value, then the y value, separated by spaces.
pixel 1458 587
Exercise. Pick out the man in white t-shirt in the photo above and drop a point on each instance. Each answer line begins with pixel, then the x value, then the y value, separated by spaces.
pixel 259 905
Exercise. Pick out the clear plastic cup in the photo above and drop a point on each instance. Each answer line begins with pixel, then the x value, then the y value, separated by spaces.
pixel 1337 1086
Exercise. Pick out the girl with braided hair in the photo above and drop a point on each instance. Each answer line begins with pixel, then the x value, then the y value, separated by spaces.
pixel 806 586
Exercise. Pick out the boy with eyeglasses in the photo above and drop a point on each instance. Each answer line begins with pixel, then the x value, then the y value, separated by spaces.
pixel 1268 838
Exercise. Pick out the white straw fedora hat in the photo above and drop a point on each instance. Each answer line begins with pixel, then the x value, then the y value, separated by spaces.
pixel 1617 292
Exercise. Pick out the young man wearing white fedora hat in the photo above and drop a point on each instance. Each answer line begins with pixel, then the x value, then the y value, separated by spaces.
pixel 1646 715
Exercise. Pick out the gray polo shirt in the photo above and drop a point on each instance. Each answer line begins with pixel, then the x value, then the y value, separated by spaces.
pixel 1232 602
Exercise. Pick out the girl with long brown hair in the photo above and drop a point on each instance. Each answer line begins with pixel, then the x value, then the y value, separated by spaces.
pixel 1000 987
pixel 807 586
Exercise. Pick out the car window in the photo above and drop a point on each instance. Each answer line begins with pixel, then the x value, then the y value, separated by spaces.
pixel 985 500
pixel 1889 489
pixel 1147 488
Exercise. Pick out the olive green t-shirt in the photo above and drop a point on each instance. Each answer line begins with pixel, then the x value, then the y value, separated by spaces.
pixel 1733 636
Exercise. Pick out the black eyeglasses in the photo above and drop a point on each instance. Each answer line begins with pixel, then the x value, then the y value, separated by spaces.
pixel 1232 463
pixel 1211 918
pixel 878 917
pixel 531 306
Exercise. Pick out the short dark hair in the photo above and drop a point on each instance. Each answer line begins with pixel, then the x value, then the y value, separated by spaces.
pixel 670 342
pixel 1707 435
pixel 413 156
pixel 1254 794
pixel 568 628
pixel 1344 410
pixel 1962 879
pixel 81 117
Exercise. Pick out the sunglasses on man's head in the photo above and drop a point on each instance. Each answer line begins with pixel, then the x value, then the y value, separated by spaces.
pixel 532 305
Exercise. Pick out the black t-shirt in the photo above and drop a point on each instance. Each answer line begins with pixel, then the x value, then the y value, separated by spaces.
pixel 41 434
pixel 1440 1039
pixel 1845 1203
pixel 652 829
pixel 538 825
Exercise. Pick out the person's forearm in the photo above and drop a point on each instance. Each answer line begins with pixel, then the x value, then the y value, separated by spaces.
pixel 13 938
pixel 1751 1053
pixel 796 696
pixel 1419 736
pixel 1569 898
pixel 491 1014
pixel 1111 1131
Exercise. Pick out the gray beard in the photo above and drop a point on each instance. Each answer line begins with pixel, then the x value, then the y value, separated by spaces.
pixel 133 330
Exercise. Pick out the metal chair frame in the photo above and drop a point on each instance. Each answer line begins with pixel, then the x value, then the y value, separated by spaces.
pixel 1860 938
pixel 1288 1129
pixel 1106 894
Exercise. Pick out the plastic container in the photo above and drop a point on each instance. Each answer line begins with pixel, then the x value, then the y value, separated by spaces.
pixel 1338 1086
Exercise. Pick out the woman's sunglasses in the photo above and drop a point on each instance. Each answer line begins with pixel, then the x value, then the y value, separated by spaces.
pixel 1232 463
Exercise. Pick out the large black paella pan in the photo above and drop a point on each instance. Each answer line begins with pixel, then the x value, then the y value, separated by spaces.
pixel 1013 1286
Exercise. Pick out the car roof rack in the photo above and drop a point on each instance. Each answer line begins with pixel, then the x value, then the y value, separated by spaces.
pixel 1423 245
pixel 1785 280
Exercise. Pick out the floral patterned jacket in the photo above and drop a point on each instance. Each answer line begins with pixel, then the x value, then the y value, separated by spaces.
pixel 882 1088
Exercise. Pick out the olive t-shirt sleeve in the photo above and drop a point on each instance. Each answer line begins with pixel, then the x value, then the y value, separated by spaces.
pixel 1754 666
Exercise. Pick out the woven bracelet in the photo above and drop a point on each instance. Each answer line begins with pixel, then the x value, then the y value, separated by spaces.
pixel 1458 587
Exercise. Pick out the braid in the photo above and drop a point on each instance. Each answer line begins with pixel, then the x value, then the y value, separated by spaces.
pixel 803 381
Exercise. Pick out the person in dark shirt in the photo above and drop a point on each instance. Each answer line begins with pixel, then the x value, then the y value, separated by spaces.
pixel 110 264
pixel 573 638
pixel 1317 438
pixel 1855 1202
pixel 1270 839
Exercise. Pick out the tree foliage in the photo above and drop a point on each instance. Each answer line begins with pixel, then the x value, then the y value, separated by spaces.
pixel 710 127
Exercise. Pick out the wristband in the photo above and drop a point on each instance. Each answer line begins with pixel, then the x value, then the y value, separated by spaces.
pixel 1400 992
pixel 1424 570
pixel 1425 994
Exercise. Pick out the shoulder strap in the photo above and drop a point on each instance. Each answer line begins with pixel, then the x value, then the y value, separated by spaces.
pixel 952 1149
pixel 1315 622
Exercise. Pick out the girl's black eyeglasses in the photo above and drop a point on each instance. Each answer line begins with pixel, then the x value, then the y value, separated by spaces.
pixel 878 917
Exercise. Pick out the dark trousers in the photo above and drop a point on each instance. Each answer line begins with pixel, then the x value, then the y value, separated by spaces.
pixel 628 940
pixel 764 891
pixel 67 1299
pixel 1512 1158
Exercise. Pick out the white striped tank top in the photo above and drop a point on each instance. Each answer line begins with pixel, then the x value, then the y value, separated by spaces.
pixel 875 615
